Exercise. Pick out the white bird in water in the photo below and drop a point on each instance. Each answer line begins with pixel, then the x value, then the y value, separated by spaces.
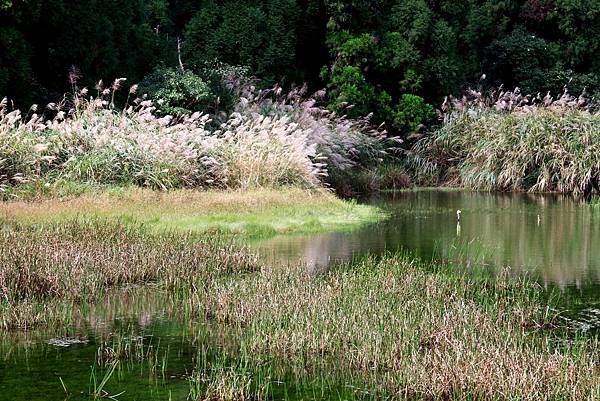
pixel 458 212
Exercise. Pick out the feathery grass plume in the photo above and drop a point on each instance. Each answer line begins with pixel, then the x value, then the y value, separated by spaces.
pixel 272 139
pixel 342 144
pixel 508 141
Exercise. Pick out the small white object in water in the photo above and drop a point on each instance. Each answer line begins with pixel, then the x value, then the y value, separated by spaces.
pixel 66 342
pixel 539 219
pixel 458 212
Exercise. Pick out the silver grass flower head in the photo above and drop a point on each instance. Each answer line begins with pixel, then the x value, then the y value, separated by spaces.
pixel 118 83
pixel 74 75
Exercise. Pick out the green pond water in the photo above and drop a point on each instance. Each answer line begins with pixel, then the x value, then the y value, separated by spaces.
pixel 550 238
pixel 553 239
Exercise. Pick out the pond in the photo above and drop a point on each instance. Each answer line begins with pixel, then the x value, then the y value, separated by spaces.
pixel 550 238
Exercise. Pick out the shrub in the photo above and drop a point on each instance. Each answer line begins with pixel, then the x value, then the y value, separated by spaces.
pixel 177 92
pixel 412 113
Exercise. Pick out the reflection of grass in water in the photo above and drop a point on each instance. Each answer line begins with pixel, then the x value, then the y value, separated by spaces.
pixel 126 350
pixel 467 253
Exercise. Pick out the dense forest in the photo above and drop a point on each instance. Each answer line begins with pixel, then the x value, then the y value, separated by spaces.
pixel 392 58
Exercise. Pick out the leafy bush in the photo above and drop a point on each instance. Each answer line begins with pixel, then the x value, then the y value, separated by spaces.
pixel 412 113
pixel 176 91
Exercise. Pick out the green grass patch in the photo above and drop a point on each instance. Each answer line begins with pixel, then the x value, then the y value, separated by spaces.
pixel 251 214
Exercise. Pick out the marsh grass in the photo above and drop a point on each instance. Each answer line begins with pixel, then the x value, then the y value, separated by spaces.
pixel 80 261
pixel 377 328
pixel 393 328
pixel 271 140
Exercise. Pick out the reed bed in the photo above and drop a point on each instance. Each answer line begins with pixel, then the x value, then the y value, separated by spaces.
pixel 271 140
pixel 394 329
pixel 514 142
pixel 377 328
pixel 80 261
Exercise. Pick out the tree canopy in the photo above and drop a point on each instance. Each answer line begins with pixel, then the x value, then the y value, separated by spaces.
pixel 392 58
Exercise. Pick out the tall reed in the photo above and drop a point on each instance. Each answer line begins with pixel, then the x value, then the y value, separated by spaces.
pixel 267 142
pixel 393 328
pixel 514 143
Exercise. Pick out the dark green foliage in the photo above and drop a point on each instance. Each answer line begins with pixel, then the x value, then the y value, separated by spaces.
pixel 258 34
pixel 383 50
pixel 523 59
pixel 41 40
pixel 225 82
pixel 373 55
pixel 412 113
pixel 177 91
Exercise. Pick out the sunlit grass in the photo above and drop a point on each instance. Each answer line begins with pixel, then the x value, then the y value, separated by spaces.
pixel 253 213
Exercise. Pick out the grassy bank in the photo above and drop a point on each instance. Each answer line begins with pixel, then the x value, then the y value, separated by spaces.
pixel 253 213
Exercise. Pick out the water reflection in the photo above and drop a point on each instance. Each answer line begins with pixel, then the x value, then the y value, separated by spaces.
pixel 548 236
pixel 31 362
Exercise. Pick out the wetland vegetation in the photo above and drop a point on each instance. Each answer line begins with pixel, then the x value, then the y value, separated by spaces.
pixel 211 231
pixel 380 327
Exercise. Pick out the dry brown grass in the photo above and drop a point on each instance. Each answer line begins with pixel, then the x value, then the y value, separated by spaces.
pixel 80 261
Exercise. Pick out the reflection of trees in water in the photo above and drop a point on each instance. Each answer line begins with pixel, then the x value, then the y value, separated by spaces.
pixel 316 252
pixel 559 249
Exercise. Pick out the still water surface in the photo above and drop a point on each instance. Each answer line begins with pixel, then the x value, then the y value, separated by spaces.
pixel 552 239
pixel 555 239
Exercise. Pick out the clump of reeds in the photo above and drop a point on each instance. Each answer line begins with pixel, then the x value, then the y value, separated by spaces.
pixel 508 141
pixel 80 261
pixel 267 142
pixel 344 147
